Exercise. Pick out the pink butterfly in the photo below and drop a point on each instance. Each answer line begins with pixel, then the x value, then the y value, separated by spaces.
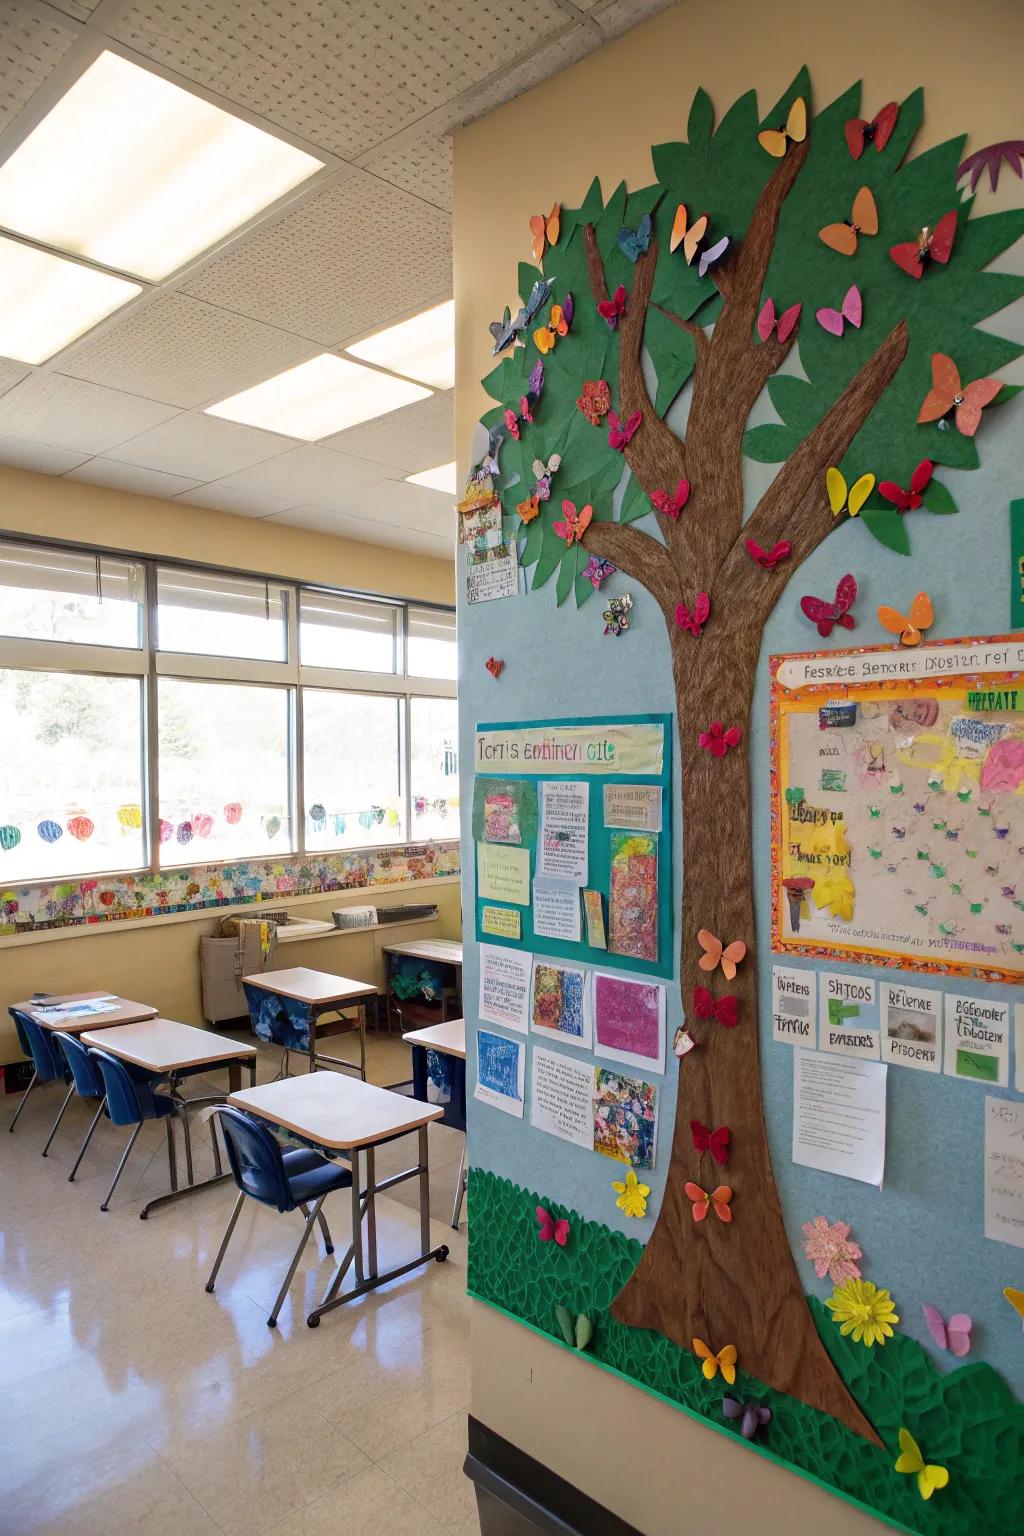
pixel 576 523
pixel 611 309
pixel 550 1229
pixel 622 433
pixel 852 313
pixel 718 740
pixel 768 559
pixel 785 324
pixel 512 420
pixel 696 620
pixel 954 1335
pixel 672 505
pixel 826 615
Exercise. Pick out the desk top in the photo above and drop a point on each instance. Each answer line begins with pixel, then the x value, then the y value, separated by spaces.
pixel 308 986
pixel 163 1045
pixel 447 951
pixel 448 1039
pixel 335 1110
pixel 125 1012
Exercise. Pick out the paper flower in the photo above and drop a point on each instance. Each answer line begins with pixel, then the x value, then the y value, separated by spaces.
pixel 831 1251
pixel 860 1307
pixel 717 740
pixel 595 401
pixel 632 1195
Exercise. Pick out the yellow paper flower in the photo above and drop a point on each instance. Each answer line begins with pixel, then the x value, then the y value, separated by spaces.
pixel 863 1309
pixel 632 1195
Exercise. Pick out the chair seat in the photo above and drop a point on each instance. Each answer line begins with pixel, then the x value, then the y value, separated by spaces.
pixel 309 1175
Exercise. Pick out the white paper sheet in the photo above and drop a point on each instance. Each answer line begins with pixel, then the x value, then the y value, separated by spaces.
pixel 505 986
pixel 1004 1171
pixel 501 1072
pixel 496 575
pixel 83 1010
pixel 633 806
pixel 850 1026
pixel 564 818
pixel 911 1026
pixel 556 910
pixel 839 1115
pixel 561 1097
pixel 794 1006
pixel 978 1040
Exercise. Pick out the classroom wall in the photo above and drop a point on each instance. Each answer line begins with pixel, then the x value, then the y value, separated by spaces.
pixel 643 1459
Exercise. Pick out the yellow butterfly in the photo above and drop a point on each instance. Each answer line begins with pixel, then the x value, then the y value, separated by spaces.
pixel 1016 1299
pixel 777 140
pixel 859 492
pixel 910 1460
pixel 557 324
pixel 724 1360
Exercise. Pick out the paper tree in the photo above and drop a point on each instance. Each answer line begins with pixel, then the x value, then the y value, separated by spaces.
pixel 856 409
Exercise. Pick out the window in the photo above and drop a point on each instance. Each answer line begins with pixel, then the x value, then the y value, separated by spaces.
pixel 432 648
pixel 208 614
pixel 434 767
pixel 64 595
pixel 352 750
pixel 342 632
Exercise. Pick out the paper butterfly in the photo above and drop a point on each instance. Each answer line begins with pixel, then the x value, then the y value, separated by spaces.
pixel 622 433
pixel 611 309
pixel 908 627
pixel 545 230
pixel 635 242
pixel 725 1361
pixel 1016 1299
pixel 550 1229
pixel 715 1142
pixel 754 1415
pixel 575 524
pixel 862 221
pixel 597 571
pixel 716 953
pixel 948 394
pixel 558 323
pixel 907 501
pixel 878 132
pixel 529 508
pixel 682 1042
pixel 671 506
pixel 954 1335
pixel 489 463
pixel 718 740
pixel 936 244
pixel 512 420
pixel 696 620
pixel 929 1478
pixel 835 320
pixel 860 490
pixel 702 1202
pixel 786 322
pixel 494 666
pixel 724 1009
pixel 506 330
pixel 691 237
pixel 616 615
pixel 544 473
pixel 536 385
pixel 826 615
pixel 768 559
pixel 777 140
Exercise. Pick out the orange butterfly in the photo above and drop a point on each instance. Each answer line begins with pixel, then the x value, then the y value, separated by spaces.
pixel 948 393
pixel 545 230
pixel 689 236
pixel 777 140
pixel 575 524
pixel 921 616
pixel 862 221
pixel 724 1360
pixel 730 955
pixel 557 324
pixel 528 509
pixel 702 1201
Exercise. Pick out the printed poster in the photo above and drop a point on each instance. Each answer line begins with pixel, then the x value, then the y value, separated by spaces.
pixel 848 1024
pixel 1004 1171
pixel 559 1005
pixel 561 1097
pixel 794 1006
pixel 615 748
pixel 503 874
pixel 505 986
pixel 500 1072
pixel 629 1021
pixel 625 1118
pixel 556 910
pixel 502 922
pixel 978 1040
pixel 911 1026
pixel 564 821
pixel 633 902
pixel 633 806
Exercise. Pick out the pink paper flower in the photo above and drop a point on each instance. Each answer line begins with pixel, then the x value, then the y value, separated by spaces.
pixel 718 740
pixel 831 1251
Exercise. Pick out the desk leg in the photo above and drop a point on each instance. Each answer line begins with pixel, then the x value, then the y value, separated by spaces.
pixel 371 1213
pixel 460 1190
pixel 424 1190
pixel 363 1020
pixel 172 1155
pixel 312 1041
pixel 357 1219
pixel 219 1177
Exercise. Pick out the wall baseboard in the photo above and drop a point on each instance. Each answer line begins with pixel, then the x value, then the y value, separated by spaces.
pixel 518 1496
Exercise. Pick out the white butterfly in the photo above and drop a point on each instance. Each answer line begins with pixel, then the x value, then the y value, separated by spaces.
pixel 544 474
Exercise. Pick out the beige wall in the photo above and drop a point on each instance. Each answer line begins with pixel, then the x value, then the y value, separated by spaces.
pixel 652 1465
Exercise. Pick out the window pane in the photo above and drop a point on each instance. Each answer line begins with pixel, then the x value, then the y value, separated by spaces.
pixel 432 651
pixel 61 594
pixel 213 615
pixel 434 757
pixel 223 771
pixel 352 760
pixel 70 775
pixel 341 632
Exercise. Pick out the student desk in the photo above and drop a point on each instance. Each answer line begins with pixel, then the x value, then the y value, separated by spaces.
pixel 173 1050
pixel 441 961
pixel 344 1117
pixel 125 1012
pixel 286 1008
pixel 439 1059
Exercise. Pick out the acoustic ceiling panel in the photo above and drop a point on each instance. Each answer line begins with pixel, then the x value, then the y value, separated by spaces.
pixel 621 15
pixel 78 10
pixel 391 503
pixel 517 76
pixel 68 413
pixel 130 477
pixel 201 448
pixel 309 474
pixel 222 496
pixel 417 437
pixel 357 256
pixel 422 166
pixel 23 454
pixel 33 40
pixel 10 374
pixel 367 532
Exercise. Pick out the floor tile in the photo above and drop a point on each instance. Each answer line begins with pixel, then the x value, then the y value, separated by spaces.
pixel 370 1501
pixel 429 1468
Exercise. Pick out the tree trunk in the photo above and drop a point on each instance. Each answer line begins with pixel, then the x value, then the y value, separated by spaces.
pixel 726 1283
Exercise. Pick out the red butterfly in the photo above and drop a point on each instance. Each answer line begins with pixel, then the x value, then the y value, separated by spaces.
pixel 931 245
pixel 878 132
pixel 715 1142
pixel 785 324
pixel 512 420
pixel 622 433
pixel 718 740
pixel 494 666
pixel 611 309
pixel 696 620
pixel 575 524
pixel 826 615
pixel 550 1229
pixel 768 559
pixel 907 501
pixel 724 1009
pixel 671 506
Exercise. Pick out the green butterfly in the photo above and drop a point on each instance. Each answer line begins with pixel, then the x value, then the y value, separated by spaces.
pixel 576 1333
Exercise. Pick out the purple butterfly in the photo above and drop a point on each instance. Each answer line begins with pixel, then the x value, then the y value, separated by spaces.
pixel 919 806
pixel 537 380
pixel 1009 891
pixel 597 571
pixel 1003 928
pixel 754 1415
pixel 899 833
pixel 1001 832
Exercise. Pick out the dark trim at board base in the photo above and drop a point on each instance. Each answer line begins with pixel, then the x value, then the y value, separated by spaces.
pixel 517 1495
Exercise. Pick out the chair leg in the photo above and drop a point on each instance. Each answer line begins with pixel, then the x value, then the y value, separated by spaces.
pixel 24 1101
pixel 217 1164
pixel 88 1138
pixel 186 1131
pixel 133 1138
pixel 293 1266
pixel 324 1228
pixel 222 1250
pixel 460 1191
pixel 60 1116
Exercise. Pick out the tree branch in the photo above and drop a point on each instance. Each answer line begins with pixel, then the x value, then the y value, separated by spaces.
pixel 637 555
pixel 700 336
pixel 745 272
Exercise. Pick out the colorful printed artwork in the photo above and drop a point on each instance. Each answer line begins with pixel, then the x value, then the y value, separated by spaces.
pixel 633 903
pixel 501 823
pixel 625 1120
pixel 629 1021
pixel 500 1072
pixel 559 1001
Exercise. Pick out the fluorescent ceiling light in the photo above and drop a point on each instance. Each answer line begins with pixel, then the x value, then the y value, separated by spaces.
pixel 422 348
pixel 45 301
pixel 136 173
pixel 318 398
pixel 442 478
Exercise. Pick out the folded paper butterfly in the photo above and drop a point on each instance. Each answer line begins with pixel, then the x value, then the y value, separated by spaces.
pixel 695 621
pixel 616 615
pixel 683 1042
pixel 718 740
pixel 754 1416
pixel 544 474
pixel 703 1201
pixel 852 313
pixel 913 256
pixel 948 394
pixel 863 220
pixel 557 324
pixel 908 626
pixel 634 243
pixel 838 497
pixel 622 433
pixel 671 506
pixel 716 953
pixel 611 309
pixel 550 1230
pixel 954 1335
pixel 1016 1300
pixel 507 331
pixel 691 238
pixel 827 615
pixel 777 140
pixel 529 508
pixel 724 1009
pixel 910 1461
pixel 724 1361
pixel 715 1142
pixel 878 132
pixel 768 559
pixel 784 325
pixel 545 230
pixel 908 501
pixel 494 666
pixel 575 524
pixel 598 571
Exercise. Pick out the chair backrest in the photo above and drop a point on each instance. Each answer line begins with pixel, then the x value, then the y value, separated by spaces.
pixel 257 1164
pixel 88 1082
pixel 129 1099
pixel 46 1059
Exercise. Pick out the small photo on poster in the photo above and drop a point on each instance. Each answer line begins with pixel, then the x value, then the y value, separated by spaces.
pixel 911 1026
pixel 559 1005
pixel 625 1118
pixel 633 902
pixel 500 1072
pixel 629 1021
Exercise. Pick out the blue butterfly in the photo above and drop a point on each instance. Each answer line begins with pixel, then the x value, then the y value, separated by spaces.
pixel 635 242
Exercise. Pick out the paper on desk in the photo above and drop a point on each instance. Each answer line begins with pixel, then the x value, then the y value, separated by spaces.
pixel 505 986
pixel 556 910
pixel 839 1115
pixel 503 874
pixel 82 1010
pixel 1004 1171
pixel 564 818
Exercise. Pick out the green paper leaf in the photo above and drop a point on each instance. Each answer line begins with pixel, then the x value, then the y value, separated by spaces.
pixel 888 527
pixel 673 353
pixel 526 278
pixel 567 573
pixel 669 161
pixel 534 540
pixel 771 443
pixel 702 118
pixel 796 401
pixel 563 1317
pixel 635 502
pixel 583 588
pixel 592 206
pixel 937 498
pixel 550 558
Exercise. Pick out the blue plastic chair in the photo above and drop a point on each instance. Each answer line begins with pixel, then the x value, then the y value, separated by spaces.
pixel 87 1083
pixel 47 1061
pixel 130 1100
pixel 298 1179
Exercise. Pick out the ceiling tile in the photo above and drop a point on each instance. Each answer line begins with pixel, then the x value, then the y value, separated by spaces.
pixel 185 353
pixel 421 165
pixel 130 477
pixel 514 78
pixel 38 456
pixel 620 15
pixel 201 448
pixel 391 502
pixel 309 474
pixel 368 532
pixel 32 42
pixel 222 496
pixel 417 437
pixel 67 413
pixel 360 254
pixel 11 374
pixel 80 10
